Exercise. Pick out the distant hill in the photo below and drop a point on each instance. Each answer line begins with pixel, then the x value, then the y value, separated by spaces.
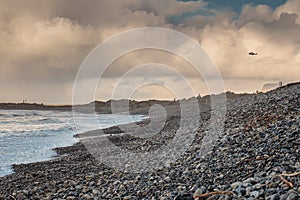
pixel 136 107
pixel 33 106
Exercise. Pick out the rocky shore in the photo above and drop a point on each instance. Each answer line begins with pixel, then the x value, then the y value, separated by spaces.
pixel 257 157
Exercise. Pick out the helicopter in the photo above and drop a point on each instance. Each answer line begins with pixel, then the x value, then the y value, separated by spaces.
pixel 253 54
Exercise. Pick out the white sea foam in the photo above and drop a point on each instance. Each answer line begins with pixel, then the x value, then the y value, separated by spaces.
pixel 30 136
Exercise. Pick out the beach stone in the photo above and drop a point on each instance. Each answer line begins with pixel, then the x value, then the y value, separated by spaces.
pixel 95 191
pixel 167 179
pixel 86 196
pixel 92 183
pixel 20 196
pixel 78 187
pixel 163 198
pixel 249 190
pixel 194 188
pixel 257 186
pixel 184 196
pixel 240 191
pixel 85 189
pixel 138 178
pixel 236 184
pixel 25 192
pixel 181 188
pixel 198 192
pixel 293 196
pixel 117 182
pixel 62 190
pixel 127 197
pixel 273 197
pixel 254 194
pixel 72 193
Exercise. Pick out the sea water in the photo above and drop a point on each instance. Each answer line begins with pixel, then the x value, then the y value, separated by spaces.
pixel 29 136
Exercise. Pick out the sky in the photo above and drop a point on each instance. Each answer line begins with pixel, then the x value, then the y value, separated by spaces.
pixel 237 5
pixel 43 44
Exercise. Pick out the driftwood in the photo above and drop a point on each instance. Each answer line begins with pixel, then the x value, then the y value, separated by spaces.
pixel 212 193
pixel 285 181
pixel 281 177
pixel 289 175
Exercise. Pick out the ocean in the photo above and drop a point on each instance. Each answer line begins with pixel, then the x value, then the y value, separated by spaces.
pixel 29 135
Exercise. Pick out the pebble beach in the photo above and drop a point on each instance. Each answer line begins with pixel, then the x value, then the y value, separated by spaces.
pixel 257 157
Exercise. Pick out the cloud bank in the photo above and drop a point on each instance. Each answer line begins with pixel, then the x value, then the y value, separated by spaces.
pixel 42 44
